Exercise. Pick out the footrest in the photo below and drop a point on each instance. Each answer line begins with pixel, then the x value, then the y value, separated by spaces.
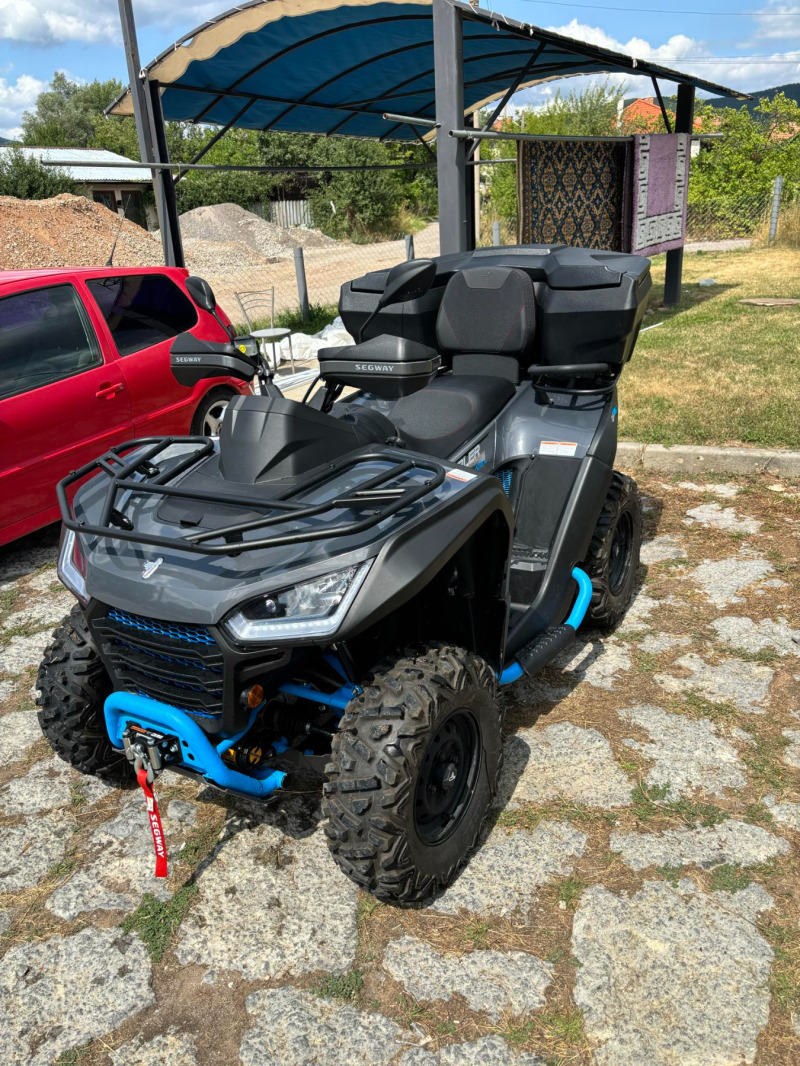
pixel 544 648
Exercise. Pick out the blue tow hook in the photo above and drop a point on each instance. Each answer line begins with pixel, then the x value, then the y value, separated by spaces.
pixel 198 753
pixel 513 672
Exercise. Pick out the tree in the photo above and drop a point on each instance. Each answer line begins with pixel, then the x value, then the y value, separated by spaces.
pixel 756 146
pixel 26 178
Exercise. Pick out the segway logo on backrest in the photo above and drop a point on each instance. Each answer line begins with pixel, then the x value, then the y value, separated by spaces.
pixel 380 368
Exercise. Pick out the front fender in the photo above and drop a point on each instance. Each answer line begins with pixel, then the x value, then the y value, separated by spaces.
pixel 413 557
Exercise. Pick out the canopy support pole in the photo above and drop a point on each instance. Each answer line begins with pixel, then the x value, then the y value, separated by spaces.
pixel 448 57
pixel 664 112
pixel 684 122
pixel 152 138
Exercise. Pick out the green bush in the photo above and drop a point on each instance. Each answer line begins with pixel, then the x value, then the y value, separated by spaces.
pixel 25 177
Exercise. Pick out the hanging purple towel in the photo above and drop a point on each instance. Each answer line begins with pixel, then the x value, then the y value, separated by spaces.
pixel 658 188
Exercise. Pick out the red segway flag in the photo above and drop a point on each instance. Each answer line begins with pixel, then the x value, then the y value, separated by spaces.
pixel 159 843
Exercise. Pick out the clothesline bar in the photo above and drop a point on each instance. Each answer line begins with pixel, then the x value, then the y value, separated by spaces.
pixel 502 135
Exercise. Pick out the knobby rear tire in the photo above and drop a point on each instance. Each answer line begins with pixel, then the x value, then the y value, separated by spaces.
pixel 373 827
pixel 620 518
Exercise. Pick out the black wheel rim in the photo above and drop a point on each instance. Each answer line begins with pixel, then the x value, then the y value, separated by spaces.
pixel 447 777
pixel 620 556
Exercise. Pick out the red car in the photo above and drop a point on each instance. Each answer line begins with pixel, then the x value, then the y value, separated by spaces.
pixel 84 364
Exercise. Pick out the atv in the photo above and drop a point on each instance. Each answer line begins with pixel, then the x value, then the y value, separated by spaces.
pixel 340 586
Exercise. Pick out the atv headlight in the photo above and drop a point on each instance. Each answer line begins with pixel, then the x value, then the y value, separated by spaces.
pixel 314 609
pixel 72 566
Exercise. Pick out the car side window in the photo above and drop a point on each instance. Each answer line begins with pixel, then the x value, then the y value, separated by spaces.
pixel 142 309
pixel 45 336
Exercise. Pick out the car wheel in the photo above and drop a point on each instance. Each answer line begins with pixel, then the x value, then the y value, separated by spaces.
pixel 210 412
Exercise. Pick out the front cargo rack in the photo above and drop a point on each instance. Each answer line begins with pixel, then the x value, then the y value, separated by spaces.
pixel 140 476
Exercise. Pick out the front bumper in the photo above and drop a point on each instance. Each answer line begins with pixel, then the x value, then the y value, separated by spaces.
pixel 197 751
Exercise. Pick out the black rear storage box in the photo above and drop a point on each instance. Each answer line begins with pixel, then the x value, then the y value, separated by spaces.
pixel 589 303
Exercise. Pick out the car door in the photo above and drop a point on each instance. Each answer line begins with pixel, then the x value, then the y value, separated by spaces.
pixel 143 314
pixel 63 401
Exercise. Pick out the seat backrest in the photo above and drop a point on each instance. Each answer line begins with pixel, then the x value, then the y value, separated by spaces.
pixel 487 321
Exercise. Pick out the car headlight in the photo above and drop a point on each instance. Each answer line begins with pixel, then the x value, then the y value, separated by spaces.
pixel 72 565
pixel 314 609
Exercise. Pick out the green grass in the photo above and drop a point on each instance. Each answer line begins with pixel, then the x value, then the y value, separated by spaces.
pixel 718 371
pixel 785 979
pixel 476 933
pixel 650 801
pixel 319 316
pixel 344 986
pixel 729 878
pixel 670 873
pixel 569 891
pixel 763 760
pixel 157 922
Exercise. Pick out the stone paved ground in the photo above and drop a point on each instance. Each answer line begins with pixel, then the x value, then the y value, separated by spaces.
pixel 634 902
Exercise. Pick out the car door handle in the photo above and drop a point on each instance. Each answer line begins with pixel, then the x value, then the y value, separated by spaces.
pixel 108 392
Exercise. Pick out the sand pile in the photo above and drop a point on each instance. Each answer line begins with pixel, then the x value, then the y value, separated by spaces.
pixel 231 223
pixel 68 231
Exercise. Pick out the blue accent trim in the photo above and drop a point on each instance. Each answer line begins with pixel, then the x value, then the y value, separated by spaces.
pixel 229 742
pixel 338 700
pixel 193 634
pixel 197 751
pixel 581 605
pixel 513 672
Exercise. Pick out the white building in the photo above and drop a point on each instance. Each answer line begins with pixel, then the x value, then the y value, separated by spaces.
pixel 117 188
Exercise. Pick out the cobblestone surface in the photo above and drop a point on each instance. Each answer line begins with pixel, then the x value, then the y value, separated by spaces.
pixel 731 842
pixel 686 754
pixel 671 977
pixel 621 908
pixel 490 981
pixel 562 760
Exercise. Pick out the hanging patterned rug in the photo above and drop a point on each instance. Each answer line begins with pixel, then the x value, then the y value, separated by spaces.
pixel 572 192
pixel 659 185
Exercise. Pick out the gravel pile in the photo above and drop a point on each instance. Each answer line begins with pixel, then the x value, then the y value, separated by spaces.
pixel 229 222
pixel 69 231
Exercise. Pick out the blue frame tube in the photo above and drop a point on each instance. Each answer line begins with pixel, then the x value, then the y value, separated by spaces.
pixel 513 672
pixel 337 700
pixel 197 751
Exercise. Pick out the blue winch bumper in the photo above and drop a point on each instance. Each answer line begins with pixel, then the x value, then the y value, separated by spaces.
pixel 198 752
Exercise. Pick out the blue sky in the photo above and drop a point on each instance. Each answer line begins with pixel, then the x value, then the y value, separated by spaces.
pixel 81 37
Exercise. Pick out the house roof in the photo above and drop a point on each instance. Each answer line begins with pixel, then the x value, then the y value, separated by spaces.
pixel 336 66
pixel 101 174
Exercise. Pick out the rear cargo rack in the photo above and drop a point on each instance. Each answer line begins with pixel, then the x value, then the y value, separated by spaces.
pixel 139 476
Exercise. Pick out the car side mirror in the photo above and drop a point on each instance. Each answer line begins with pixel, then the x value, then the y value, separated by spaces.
pixel 407 281
pixel 202 294
pixel 192 360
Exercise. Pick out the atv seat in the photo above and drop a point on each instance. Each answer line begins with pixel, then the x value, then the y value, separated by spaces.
pixel 486 324
pixel 449 411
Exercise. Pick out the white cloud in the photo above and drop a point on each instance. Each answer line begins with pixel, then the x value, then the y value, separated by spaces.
pixel 16 97
pixel 778 22
pixel 683 54
pixel 49 22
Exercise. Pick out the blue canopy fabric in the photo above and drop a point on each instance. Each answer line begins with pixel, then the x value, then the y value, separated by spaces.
pixel 332 67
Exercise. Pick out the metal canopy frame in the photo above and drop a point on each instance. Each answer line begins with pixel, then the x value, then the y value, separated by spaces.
pixel 216 74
